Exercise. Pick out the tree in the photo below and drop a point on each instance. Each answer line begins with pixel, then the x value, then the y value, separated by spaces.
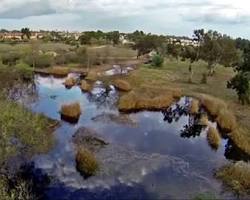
pixel 211 50
pixel 241 81
pixel 190 53
pixel 113 37
pixel 34 52
pixel 26 32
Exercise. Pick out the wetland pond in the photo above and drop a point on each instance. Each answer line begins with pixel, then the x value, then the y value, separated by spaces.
pixel 150 155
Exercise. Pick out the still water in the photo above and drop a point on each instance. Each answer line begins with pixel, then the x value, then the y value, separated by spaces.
pixel 151 155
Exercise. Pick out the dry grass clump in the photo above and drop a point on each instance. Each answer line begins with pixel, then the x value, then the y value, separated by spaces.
pixel 213 138
pixel 236 176
pixel 176 92
pixel 204 120
pixel 219 109
pixel 59 71
pixel 92 76
pixel 240 137
pixel 122 85
pixel 133 102
pixel 71 111
pixel 226 120
pixel 85 86
pixel 194 106
pixel 86 163
pixel 127 102
pixel 69 82
pixel 213 105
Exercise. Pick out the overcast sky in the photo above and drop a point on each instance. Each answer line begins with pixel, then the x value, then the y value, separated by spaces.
pixel 177 17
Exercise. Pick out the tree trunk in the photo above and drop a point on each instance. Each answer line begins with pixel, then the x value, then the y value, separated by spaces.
pixel 190 80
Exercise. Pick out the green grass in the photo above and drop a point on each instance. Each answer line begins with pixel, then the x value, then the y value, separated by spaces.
pixel 31 130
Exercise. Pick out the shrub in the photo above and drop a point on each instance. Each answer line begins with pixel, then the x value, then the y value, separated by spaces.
pixel 213 137
pixel 41 61
pixel 236 176
pixel 71 112
pixel 86 163
pixel 157 60
pixel 25 71
pixel 122 85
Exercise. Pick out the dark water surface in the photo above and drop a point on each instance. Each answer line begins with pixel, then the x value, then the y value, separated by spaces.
pixel 153 155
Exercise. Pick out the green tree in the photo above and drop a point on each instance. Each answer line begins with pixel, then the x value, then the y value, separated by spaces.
pixel 190 53
pixel 26 32
pixel 113 37
pixel 211 50
pixel 241 81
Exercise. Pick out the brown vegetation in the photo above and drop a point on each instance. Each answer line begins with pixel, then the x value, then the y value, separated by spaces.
pixel 236 176
pixel 70 82
pixel 213 137
pixel 226 120
pixel 204 120
pixel 71 111
pixel 133 102
pixel 85 86
pixel 194 106
pixel 86 163
pixel 59 71
pixel 122 85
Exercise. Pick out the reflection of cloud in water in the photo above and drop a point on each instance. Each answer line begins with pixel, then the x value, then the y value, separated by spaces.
pixel 50 82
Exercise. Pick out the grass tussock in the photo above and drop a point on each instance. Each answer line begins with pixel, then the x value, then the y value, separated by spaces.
pixel 133 102
pixel 92 76
pixel 213 138
pixel 70 82
pixel 122 85
pixel 204 120
pixel 85 86
pixel 59 71
pixel 240 137
pixel 72 110
pixel 194 106
pixel 212 104
pixel 236 176
pixel 86 163
pixel 226 120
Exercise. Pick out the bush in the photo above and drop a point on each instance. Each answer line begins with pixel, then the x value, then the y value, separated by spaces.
pixel 157 60
pixel 25 71
pixel 41 61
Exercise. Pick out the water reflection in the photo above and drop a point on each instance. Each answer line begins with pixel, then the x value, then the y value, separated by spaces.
pixel 138 155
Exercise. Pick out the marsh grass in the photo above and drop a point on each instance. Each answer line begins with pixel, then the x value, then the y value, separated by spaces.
pixel 122 85
pixel 31 130
pixel 236 176
pixel 204 120
pixel 85 86
pixel 71 111
pixel 70 82
pixel 133 102
pixel 213 138
pixel 86 163
pixel 194 106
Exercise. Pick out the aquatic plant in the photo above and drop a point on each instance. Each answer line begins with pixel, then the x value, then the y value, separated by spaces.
pixel 134 102
pixel 86 163
pixel 122 85
pixel 213 137
pixel 71 111
pixel 236 176
pixel 85 86
pixel 69 82
pixel 20 128
pixel 194 106
pixel 203 121
pixel 226 120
